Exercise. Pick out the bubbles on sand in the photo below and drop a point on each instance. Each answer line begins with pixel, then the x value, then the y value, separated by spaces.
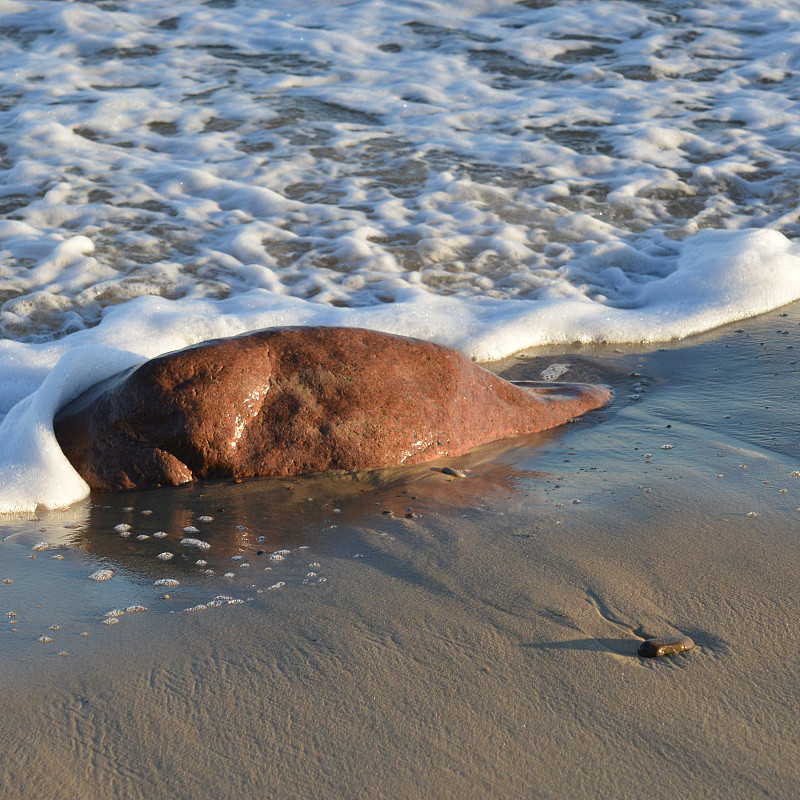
pixel 555 371
pixel 198 575
pixel 196 543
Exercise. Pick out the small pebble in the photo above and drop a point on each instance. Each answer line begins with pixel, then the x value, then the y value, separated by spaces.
pixel 122 527
pixel 164 556
pixel 39 546
pixel 205 518
pixel 45 639
pixel 167 582
pixel 159 534
pixel 665 646
pixel 201 562
pixel 191 529
pixel 102 575
pixel 110 621
pixel 456 473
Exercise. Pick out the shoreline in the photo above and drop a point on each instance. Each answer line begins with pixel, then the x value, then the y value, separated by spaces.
pixel 484 645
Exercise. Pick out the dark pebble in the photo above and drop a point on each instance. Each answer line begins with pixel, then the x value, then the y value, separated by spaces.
pixel 260 552
pixel 456 473
pixel 665 646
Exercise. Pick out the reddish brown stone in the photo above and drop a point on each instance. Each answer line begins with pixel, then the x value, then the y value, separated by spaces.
pixel 288 401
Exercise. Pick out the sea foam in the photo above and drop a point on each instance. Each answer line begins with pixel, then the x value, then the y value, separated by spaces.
pixel 490 176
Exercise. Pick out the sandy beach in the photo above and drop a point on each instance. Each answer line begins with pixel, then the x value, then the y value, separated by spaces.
pixel 431 636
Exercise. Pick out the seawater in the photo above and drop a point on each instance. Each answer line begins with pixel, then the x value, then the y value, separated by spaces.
pixel 489 175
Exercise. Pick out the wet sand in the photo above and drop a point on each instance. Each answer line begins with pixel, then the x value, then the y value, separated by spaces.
pixel 469 637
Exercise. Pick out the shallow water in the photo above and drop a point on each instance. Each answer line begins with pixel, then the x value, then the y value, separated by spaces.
pixel 361 154
pixel 493 177
pixel 714 416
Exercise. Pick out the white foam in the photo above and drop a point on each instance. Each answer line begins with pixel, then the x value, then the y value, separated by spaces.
pixel 485 175
pixel 199 544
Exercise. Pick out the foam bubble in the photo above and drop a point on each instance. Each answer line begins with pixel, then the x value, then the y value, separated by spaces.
pixel 198 544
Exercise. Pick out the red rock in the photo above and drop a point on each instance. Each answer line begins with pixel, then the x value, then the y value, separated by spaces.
pixel 288 401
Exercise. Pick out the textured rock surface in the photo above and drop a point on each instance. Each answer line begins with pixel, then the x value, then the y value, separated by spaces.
pixel 287 401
